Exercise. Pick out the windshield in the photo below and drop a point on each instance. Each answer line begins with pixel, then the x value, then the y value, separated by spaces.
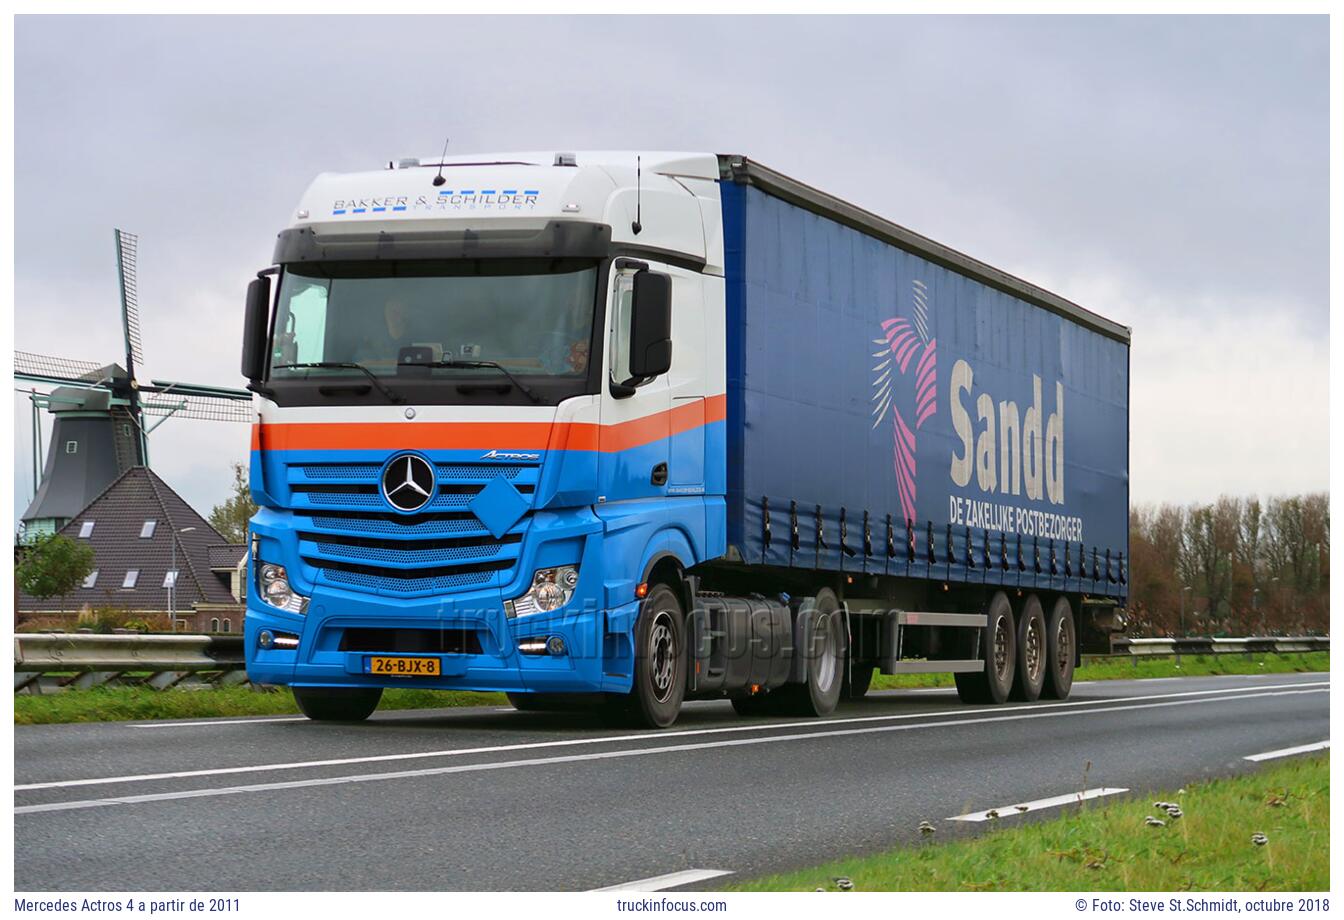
pixel 410 321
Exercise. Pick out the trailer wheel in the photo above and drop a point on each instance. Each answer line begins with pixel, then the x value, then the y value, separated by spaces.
pixel 337 704
pixel 1061 645
pixel 998 641
pixel 660 664
pixel 860 679
pixel 819 694
pixel 1031 652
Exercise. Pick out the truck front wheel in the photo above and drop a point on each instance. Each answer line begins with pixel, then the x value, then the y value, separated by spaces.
pixel 337 704
pixel 660 662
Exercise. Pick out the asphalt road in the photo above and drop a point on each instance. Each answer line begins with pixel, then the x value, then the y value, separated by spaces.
pixel 482 799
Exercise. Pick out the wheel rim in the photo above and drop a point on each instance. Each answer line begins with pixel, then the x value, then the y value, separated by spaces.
pixel 662 656
pixel 1001 646
pixel 827 658
pixel 1032 653
pixel 1063 651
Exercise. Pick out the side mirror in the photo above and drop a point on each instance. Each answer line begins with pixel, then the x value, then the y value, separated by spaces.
pixel 651 325
pixel 255 321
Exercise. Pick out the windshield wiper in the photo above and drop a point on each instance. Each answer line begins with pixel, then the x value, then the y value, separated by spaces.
pixel 383 388
pixel 449 362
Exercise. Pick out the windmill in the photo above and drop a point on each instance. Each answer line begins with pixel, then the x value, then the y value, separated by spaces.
pixel 102 414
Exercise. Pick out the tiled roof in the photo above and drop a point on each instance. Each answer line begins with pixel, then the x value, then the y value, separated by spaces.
pixel 119 516
pixel 227 556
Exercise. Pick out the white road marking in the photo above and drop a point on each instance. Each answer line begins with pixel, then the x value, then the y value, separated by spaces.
pixel 615 739
pixel 671 880
pixel 1289 752
pixel 211 723
pixel 1007 811
pixel 1047 712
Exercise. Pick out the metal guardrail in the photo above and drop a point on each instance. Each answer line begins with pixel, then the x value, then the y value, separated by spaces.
pixel 51 662
pixel 1203 645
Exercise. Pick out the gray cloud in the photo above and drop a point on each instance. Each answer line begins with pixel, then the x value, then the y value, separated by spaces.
pixel 1170 172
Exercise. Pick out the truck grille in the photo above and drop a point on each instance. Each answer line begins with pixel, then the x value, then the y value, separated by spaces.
pixel 346 530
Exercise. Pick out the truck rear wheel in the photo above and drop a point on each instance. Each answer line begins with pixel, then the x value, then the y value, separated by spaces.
pixel 1031 652
pixel 860 679
pixel 998 641
pixel 660 664
pixel 1060 646
pixel 337 704
pixel 819 694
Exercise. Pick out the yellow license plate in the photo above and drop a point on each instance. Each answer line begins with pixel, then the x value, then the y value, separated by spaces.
pixel 404 667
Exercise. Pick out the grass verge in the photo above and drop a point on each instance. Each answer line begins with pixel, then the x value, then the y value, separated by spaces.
pixel 113 704
pixel 116 704
pixel 1126 669
pixel 1105 845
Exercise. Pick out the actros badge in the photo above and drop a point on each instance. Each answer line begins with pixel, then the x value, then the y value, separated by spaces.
pixel 408 482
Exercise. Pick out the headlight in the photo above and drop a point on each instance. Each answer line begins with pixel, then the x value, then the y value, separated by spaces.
pixel 551 589
pixel 275 589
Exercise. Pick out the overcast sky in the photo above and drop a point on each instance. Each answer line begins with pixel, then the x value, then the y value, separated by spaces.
pixel 1168 172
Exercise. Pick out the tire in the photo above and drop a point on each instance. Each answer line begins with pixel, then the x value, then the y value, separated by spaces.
pixel 337 704
pixel 660 664
pixel 998 641
pixel 820 693
pixel 1061 647
pixel 1031 652
pixel 860 679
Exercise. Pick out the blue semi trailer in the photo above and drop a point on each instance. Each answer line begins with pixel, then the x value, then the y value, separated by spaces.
pixel 620 430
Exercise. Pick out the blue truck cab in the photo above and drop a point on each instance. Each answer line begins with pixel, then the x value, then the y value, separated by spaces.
pixel 616 430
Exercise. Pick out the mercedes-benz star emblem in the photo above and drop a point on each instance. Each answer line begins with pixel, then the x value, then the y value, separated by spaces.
pixel 408 482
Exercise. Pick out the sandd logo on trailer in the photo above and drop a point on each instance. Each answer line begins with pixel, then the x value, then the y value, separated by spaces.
pixel 906 344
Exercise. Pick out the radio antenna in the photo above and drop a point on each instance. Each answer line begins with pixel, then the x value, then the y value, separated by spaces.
pixel 637 226
pixel 439 180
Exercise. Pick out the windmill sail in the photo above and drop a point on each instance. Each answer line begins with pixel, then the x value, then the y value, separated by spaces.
pixel 127 245
pixel 102 414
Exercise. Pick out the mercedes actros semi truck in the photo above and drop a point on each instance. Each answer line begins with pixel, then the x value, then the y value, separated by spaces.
pixel 620 430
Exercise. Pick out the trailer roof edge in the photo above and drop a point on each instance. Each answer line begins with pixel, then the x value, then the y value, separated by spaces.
pixel 743 169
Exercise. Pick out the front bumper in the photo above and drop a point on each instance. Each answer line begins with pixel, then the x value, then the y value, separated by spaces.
pixel 343 628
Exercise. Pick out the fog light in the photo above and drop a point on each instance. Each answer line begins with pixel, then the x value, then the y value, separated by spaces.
pixel 555 645
pixel 277 640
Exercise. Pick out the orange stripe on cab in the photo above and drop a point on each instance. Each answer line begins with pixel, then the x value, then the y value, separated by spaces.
pixel 488 435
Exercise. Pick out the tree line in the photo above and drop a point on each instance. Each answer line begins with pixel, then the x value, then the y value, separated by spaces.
pixel 1237 567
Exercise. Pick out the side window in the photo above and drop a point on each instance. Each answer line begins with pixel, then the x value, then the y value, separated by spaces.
pixel 621 299
pixel 304 318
